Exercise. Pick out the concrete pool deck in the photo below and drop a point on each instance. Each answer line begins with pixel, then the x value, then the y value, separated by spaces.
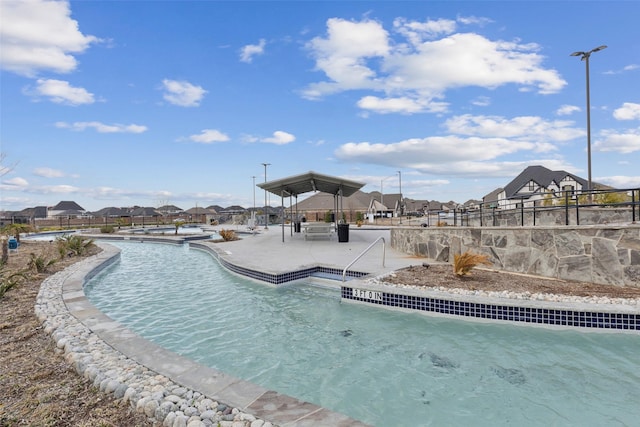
pixel 265 251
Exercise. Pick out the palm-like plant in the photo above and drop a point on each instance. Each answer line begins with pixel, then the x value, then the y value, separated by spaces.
pixel 178 223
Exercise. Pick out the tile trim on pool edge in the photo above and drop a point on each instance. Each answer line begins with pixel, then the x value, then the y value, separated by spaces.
pixel 272 278
pixel 548 316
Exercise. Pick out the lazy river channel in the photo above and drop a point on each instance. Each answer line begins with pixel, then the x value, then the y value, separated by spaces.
pixel 383 367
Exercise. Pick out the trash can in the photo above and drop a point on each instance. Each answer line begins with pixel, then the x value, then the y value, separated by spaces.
pixel 343 233
pixel 296 227
pixel 13 243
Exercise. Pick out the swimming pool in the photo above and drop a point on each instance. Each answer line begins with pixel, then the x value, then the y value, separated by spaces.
pixel 379 366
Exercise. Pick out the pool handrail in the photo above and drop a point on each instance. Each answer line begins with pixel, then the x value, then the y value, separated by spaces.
pixel 344 272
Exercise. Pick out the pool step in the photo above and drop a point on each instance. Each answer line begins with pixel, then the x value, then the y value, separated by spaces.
pixel 330 276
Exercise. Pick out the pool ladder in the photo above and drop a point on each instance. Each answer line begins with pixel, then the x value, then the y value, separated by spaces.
pixel 344 272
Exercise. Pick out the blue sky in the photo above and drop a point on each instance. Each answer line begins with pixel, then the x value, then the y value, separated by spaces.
pixel 121 103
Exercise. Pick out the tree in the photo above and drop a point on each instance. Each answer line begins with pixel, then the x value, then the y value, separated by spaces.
pixel 178 223
pixel 15 230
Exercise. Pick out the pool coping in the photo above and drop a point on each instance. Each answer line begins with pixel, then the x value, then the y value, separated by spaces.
pixel 580 316
pixel 269 405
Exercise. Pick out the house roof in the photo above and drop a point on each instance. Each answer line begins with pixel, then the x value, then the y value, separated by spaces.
pixel 358 201
pixel 110 212
pixel 200 211
pixel 66 206
pixel 311 181
pixel 146 211
pixel 542 176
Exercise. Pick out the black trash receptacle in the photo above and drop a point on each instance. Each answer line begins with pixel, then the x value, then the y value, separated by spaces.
pixel 343 232
pixel 296 227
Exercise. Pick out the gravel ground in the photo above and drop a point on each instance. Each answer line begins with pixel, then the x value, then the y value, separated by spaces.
pixel 483 279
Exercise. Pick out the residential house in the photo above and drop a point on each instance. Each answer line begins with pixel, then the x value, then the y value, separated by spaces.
pixel 535 183
pixel 66 209
pixel 315 207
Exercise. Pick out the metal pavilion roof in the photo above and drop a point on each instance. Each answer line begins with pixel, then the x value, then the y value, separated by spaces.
pixel 311 181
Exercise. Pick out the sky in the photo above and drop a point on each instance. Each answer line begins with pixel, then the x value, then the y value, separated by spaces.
pixel 123 103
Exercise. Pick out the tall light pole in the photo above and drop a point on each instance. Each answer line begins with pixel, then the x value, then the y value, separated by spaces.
pixel 400 183
pixel 253 214
pixel 584 56
pixel 266 217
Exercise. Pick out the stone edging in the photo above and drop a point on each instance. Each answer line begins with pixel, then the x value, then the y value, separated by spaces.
pixel 112 372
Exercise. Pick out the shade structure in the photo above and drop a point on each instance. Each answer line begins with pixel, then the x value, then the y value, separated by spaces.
pixel 312 181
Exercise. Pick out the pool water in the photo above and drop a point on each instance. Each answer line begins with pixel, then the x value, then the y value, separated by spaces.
pixel 383 367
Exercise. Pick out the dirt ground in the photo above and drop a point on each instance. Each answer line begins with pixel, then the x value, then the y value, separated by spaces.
pixel 37 386
pixel 484 279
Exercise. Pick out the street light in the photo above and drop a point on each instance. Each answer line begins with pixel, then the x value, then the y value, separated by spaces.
pixel 266 218
pixel 253 214
pixel 584 56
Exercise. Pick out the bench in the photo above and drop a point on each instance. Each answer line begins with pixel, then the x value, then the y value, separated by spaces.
pixel 312 230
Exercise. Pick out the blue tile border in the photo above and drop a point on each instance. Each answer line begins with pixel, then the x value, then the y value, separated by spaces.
pixel 276 279
pixel 501 312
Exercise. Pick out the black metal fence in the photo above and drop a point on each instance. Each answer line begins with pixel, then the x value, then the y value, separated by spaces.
pixel 565 208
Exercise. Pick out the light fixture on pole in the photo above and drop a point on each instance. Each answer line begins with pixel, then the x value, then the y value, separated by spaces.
pixel 584 56
pixel 266 215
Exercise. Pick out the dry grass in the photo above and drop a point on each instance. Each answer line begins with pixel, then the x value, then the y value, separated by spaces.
pixel 464 263
pixel 228 235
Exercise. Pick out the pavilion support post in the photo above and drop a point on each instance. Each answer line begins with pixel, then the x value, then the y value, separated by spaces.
pixel 282 207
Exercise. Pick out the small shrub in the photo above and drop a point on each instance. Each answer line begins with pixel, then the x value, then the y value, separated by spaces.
pixel 39 263
pixel 10 279
pixel 228 235
pixel 107 229
pixel 464 263
pixel 441 224
pixel 73 245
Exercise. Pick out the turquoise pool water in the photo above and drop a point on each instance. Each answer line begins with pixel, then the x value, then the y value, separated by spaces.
pixel 386 368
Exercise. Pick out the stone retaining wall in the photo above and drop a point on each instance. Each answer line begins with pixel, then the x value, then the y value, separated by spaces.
pixel 597 254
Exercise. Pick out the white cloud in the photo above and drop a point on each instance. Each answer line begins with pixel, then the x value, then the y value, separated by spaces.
pixel 566 110
pixel 620 181
pixel 48 173
pixel 101 127
pixel 628 111
pixel 39 35
pixel 363 56
pixel 14 183
pixel 624 142
pixel 403 105
pixel 342 55
pixel 249 51
pixel 61 92
pixel 209 136
pixel 62 189
pixel 280 138
pixel 417 32
pixel 530 128
pixel 482 101
pixel 181 93
pixel 478 146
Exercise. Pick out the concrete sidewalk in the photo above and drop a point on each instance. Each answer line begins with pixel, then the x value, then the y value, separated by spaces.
pixel 265 251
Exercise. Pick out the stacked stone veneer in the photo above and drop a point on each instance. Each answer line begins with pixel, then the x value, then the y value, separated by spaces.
pixel 598 254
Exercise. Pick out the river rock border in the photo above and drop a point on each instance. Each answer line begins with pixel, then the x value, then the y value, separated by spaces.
pixel 160 399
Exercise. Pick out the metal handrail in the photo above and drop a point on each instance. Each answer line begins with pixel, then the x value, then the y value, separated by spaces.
pixel 344 272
